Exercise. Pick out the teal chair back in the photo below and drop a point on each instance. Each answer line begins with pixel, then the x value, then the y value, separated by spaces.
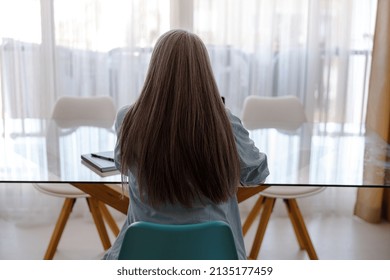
pixel 203 241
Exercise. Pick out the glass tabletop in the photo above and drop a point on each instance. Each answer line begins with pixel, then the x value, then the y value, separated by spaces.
pixel 42 150
pixel 324 155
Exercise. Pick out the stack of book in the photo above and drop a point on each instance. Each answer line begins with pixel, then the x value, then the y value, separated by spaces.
pixel 101 161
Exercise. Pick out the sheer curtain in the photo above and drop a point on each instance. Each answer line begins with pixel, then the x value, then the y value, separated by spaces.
pixel 20 57
pixel 318 50
pixel 51 48
pixel 103 47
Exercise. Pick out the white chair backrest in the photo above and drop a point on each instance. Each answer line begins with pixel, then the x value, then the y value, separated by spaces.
pixel 284 112
pixel 97 110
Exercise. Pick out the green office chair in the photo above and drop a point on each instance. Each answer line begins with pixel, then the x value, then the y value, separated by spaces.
pixel 203 241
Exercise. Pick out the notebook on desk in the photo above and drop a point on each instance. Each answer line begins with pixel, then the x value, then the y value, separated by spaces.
pixel 102 161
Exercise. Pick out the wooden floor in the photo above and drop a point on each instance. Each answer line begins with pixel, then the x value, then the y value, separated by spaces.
pixel 27 219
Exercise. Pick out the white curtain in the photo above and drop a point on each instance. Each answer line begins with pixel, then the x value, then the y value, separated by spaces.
pixel 318 50
pixel 51 48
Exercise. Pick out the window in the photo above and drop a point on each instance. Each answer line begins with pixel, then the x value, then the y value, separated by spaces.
pixel 318 50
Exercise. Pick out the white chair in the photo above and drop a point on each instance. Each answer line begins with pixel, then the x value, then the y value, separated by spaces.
pixel 71 112
pixel 284 113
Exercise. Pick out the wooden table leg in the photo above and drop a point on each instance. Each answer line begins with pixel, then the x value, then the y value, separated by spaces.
pixel 252 215
pixel 107 194
pixel 98 219
pixel 108 218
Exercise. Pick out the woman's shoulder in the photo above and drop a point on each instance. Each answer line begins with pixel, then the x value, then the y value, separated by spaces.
pixel 121 115
pixel 123 110
pixel 234 120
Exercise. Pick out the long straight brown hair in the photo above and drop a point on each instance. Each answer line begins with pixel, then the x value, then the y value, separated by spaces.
pixel 177 135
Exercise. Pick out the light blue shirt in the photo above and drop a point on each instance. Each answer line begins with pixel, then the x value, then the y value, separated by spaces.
pixel 254 170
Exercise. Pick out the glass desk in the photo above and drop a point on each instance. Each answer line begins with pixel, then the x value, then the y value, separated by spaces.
pixel 324 155
pixel 44 150
pixel 41 150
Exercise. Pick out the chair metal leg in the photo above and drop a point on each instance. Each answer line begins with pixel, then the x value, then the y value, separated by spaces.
pixel 252 215
pixel 267 210
pixel 301 228
pixel 98 219
pixel 108 218
pixel 59 228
